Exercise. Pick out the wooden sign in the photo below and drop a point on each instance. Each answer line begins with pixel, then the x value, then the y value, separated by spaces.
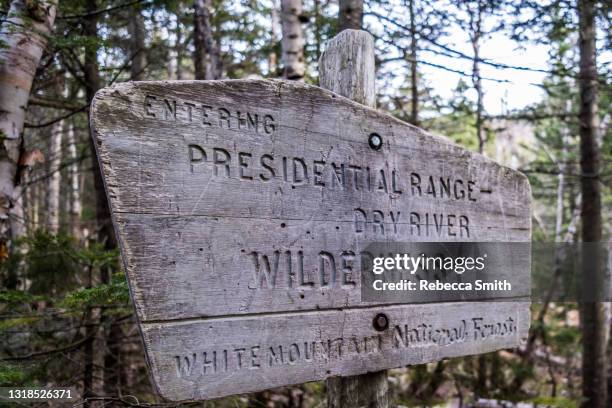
pixel 241 207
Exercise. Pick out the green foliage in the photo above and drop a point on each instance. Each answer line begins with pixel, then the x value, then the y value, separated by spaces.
pixel 75 40
pixel 565 339
pixel 115 293
pixel 457 119
pixel 96 256
pixel 11 375
pixel 50 263
pixel 11 298
pixel 49 317
pixel 18 321
pixel 555 402
pixel 56 264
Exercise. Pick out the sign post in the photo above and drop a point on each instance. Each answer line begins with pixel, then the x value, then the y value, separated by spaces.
pixel 242 206
pixel 347 68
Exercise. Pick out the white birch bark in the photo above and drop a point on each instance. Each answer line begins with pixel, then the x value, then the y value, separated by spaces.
pixel 75 207
pixel 23 36
pixel 54 179
pixel 34 206
pixel 293 40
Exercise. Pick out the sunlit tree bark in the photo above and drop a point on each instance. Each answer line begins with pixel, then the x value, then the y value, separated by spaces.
pixel 23 37
pixel 293 39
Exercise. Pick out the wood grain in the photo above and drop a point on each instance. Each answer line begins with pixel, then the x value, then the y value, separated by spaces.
pixel 210 182
pixel 270 351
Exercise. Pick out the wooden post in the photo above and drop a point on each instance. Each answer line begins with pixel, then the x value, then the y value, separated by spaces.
pixel 347 68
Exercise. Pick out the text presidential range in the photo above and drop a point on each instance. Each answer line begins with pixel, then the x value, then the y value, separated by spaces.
pixel 358 170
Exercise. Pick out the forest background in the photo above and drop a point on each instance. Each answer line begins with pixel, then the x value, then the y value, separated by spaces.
pixel 65 312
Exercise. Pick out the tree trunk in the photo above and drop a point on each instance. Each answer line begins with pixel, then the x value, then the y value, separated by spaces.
pixel 136 31
pixel 32 204
pixel 414 87
pixel 592 314
pixel 293 39
pixel 88 349
pixel 92 84
pixel 207 58
pixel 55 175
pixel 179 49
pixel 74 200
pixel 562 166
pixel 476 32
pixel 475 24
pixel 113 379
pixel 317 28
pixel 272 56
pixel 609 350
pixel 105 231
pixel 350 15
pixel 23 36
pixel 559 254
pixel 347 68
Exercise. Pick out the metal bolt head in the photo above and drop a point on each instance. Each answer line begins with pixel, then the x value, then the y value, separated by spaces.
pixel 381 322
pixel 375 141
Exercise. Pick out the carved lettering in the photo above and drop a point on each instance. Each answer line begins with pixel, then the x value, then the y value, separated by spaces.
pixel 169 109
pixel 197 155
pixel 269 124
pixel 148 105
pixel 298 171
pixel 266 163
pixel 243 159
pixel 285 269
pixel 189 107
pixel 423 334
pixel 221 158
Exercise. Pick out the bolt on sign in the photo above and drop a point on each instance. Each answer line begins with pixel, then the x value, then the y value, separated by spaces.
pixel 241 206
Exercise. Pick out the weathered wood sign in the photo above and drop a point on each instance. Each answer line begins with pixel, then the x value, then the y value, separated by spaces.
pixel 241 207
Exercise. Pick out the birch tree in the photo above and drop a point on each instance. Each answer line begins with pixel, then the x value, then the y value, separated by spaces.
pixel 23 37
pixel 293 39
pixel 75 207
pixel 54 179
